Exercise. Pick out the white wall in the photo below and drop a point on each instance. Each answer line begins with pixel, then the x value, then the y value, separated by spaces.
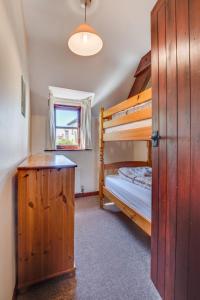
pixel 38 133
pixel 118 151
pixel 140 151
pixel 14 133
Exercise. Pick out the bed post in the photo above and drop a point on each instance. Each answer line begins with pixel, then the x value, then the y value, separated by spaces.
pixel 149 146
pixel 101 158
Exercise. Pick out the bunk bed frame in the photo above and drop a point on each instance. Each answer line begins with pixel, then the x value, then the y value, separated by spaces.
pixel 137 134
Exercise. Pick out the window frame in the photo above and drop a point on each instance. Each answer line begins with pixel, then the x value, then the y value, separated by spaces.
pixel 73 108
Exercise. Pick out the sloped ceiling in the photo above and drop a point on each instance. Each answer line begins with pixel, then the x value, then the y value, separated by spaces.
pixel 124 26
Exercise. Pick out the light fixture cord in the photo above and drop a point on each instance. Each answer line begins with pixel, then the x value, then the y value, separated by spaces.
pixel 85 11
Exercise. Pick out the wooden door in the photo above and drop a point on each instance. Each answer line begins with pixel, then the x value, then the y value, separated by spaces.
pixel 176 161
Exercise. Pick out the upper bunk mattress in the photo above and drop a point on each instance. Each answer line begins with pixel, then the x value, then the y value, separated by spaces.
pixel 136 197
pixel 135 125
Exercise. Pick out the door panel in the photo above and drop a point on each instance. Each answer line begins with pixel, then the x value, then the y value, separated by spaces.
pixel 162 154
pixel 194 252
pixel 176 162
pixel 171 137
pixel 183 196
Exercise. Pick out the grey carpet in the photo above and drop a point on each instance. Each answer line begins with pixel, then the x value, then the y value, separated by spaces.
pixel 112 260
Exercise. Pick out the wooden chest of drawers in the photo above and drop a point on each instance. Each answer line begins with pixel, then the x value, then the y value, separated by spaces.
pixel 45 218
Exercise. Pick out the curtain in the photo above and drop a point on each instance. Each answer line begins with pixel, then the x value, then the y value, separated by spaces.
pixel 86 119
pixel 85 122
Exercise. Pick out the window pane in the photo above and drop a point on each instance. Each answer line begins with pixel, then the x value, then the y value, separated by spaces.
pixel 66 118
pixel 65 137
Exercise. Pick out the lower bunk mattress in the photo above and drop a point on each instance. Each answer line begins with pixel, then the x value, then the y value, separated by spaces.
pixel 134 196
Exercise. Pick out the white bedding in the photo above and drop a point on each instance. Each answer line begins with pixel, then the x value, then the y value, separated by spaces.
pixel 134 125
pixel 134 196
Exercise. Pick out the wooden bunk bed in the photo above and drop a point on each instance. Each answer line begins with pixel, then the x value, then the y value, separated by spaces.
pixel 113 127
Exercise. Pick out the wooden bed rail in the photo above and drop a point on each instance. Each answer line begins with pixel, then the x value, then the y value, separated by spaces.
pixel 141 115
pixel 131 102
pixel 123 164
pixel 138 134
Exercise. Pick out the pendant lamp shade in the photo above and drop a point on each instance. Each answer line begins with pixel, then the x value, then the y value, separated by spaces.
pixel 85 41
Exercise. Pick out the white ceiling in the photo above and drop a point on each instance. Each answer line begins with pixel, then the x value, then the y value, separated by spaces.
pixel 124 27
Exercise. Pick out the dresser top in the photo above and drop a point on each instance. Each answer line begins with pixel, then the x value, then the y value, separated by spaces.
pixel 46 161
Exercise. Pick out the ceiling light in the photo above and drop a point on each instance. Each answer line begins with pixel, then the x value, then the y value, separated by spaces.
pixel 84 40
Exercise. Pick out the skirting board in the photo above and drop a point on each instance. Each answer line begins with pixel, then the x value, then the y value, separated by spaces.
pixel 83 195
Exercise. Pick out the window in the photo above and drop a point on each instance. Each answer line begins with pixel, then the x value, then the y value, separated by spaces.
pixel 67 124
